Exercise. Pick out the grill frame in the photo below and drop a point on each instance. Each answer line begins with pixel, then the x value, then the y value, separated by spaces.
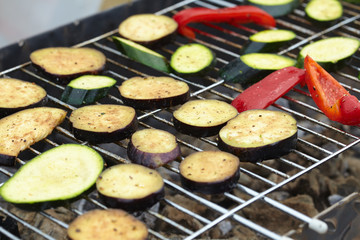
pixel 202 88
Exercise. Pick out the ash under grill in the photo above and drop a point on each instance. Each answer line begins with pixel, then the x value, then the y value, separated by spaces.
pixel 266 202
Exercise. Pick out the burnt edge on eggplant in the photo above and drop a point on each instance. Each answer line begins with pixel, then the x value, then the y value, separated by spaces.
pixel 196 131
pixel 8 111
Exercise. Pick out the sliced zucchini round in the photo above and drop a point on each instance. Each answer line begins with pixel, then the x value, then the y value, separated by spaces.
pixel 331 53
pixel 107 224
pixel 203 118
pixel 153 148
pixel 87 89
pixel 17 95
pixel 64 63
pixel 257 135
pixel 324 12
pixel 131 187
pixel 276 8
pixel 150 30
pixel 210 172
pixel 61 173
pixel 192 59
pixel 103 123
pixel 267 41
pixel 154 92
pixel 252 67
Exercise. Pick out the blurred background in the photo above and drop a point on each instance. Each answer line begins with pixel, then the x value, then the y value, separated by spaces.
pixel 20 19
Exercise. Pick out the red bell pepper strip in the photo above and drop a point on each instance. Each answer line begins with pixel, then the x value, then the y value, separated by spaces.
pixel 265 92
pixel 238 14
pixel 328 94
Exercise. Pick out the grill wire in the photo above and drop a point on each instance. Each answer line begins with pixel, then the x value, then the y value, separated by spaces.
pixel 225 41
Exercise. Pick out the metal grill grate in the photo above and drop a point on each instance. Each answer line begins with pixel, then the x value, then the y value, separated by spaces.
pixel 225 41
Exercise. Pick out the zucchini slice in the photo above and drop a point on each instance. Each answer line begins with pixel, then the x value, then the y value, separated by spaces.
pixel 61 173
pixel 150 30
pixel 210 172
pixel 192 59
pixel 324 12
pixel 107 224
pixel 257 135
pixel 252 67
pixel 24 128
pixel 154 92
pixel 331 53
pixel 87 89
pixel 64 63
pixel 131 187
pixel 268 41
pixel 153 148
pixel 103 123
pixel 142 54
pixel 275 8
pixel 203 118
pixel 17 95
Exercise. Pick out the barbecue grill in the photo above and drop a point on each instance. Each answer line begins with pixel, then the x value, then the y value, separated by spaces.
pixel 321 142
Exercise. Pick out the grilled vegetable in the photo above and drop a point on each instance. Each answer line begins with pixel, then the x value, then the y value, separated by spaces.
pixel 203 118
pixel 142 54
pixel 238 14
pixel 61 173
pixel 154 92
pixel 324 12
pixel 265 92
pixel 103 123
pixel 252 67
pixel 153 148
pixel 64 64
pixel 131 187
pixel 24 128
pixel 148 29
pixel 17 95
pixel 210 172
pixel 107 224
pixel 267 41
pixel 192 59
pixel 257 135
pixel 331 53
pixel 87 89
pixel 275 8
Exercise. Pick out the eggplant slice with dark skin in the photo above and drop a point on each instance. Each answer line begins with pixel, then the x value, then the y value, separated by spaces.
pixel 103 123
pixel 154 92
pixel 64 64
pixel 150 30
pixel 257 135
pixel 131 187
pixel 153 148
pixel 107 224
pixel 17 95
pixel 203 118
pixel 210 172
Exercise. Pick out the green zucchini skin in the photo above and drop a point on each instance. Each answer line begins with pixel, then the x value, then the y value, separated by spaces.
pixel 142 54
pixel 276 10
pixel 317 20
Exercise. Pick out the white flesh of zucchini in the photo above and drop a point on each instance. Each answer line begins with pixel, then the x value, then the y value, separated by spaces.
pixel 275 35
pixel 89 82
pixel 271 2
pixel 267 61
pixel 324 10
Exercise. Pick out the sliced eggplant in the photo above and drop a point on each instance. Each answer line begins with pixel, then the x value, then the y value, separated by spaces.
pixel 87 89
pixel 17 95
pixel 64 64
pixel 24 128
pixel 257 135
pixel 153 148
pixel 107 224
pixel 203 118
pixel 324 12
pixel 192 59
pixel 61 173
pixel 150 30
pixel 154 92
pixel 275 8
pixel 210 172
pixel 103 123
pixel 131 187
